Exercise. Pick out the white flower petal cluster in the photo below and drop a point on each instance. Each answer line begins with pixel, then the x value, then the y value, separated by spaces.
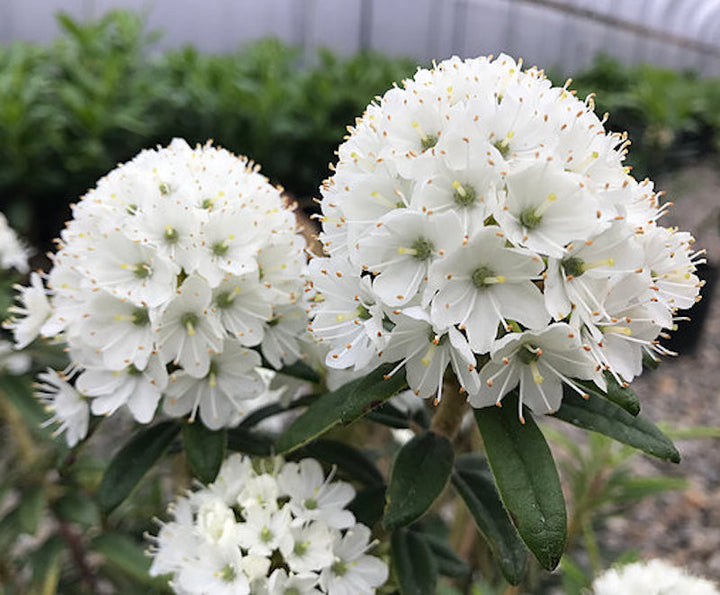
pixel 268 527
pixel 654 577
pixel 478 213
pixel 13 254
pixel 174 274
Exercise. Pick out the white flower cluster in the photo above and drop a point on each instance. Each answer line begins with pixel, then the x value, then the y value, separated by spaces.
pixel 479 214
pixel 267 528
pixel 13 254
pixel 651 578
pixel 172 269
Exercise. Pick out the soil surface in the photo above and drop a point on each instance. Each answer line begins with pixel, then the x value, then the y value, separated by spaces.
pixel 684 526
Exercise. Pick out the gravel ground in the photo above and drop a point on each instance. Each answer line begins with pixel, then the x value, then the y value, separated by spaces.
pixel 684 527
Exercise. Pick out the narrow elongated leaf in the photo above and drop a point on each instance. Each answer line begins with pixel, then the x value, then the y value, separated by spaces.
pixel 474 482
pixel 448 562
pixel 301 370
pixel 204 449
pixel 76 507
pixel 254 418
pixel 605 417
pixel 132 461
pixel 127 556
pixel 419 474
pixel 389 415
pixel 526 477
pixel 251 443
pixel 414 564
pixel 352 462
pixel 368 505
pixel 18 391
pixel 45 562
pixel 620 395
pixel 343 405
pixel 31 509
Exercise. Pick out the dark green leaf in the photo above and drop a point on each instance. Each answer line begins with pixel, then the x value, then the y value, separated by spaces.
pixel 255 417
pixel 414 563
pixel 251 443
pixel 18 390
pixel 76 507
pixel 475 484
pixel 620 395
pixel 132 461
pixel 45 563
pixel 31 509
pixel 389 415
pixel 126 555
pixel 419 474
pixel 604 417
pixel 344 405
pixel 353 464
pixel 301 370
pixel 204 449
pixel 368 505
pixel 448 562
pixel 526 477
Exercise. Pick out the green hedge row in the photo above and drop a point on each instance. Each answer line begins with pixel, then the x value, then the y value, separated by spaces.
pixel 72 110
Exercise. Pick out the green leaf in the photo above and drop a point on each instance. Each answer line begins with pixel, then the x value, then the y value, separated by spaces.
pixel 76 507
pixel 526 477
pixel 126 555
pixel 694 432
pixel 250 443
pixel 620 395
pixel 353 463
pixel 255 417
pixel 419 474
pixel 45 563
pixel 344 405
pixel 31 509
pixel 204 449
pixel 414 563
pixel 132 461
pixel 474 482
pixel 301 370
pixel 448 562
pixel 604 417
pixel 636 488
pixel 18 390
pixel 368 505
pixel 389 415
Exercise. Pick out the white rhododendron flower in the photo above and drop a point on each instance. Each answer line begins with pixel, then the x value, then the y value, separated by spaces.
pixel 13 254
pixel 655 577
pixel 268 527
pixel 481 220
pixel 173 274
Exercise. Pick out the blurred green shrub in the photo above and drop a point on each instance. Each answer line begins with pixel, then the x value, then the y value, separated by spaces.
pixel 71 111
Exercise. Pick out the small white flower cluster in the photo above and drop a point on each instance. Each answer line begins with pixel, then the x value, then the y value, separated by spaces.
pixel 479 214
pixel 651 578
pixel 172 269
pixel 271 528
pixel 13 254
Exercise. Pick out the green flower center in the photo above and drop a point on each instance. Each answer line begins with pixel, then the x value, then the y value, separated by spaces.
pixel 311 504
pixel 266 535
pixel 339 568
pixel 573 266
pixel 220 248
pixel 301 548
pixel 464 194
pixel 142 270
pixel 428 142
pixel 170 234
pixel 140 317
pixel 228 574
pixel 484 276
pixel 423 249
pixel 189 320
pixel 530 219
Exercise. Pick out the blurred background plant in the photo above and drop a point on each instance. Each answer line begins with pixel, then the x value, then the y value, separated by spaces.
pixel 69 112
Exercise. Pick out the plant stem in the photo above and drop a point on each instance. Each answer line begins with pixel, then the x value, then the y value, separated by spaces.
pixel 450 411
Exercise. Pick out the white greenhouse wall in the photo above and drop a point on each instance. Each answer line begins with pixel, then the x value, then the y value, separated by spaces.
pixel 683 34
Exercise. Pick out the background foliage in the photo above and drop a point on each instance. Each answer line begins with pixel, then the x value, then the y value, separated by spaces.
pixel 71 111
